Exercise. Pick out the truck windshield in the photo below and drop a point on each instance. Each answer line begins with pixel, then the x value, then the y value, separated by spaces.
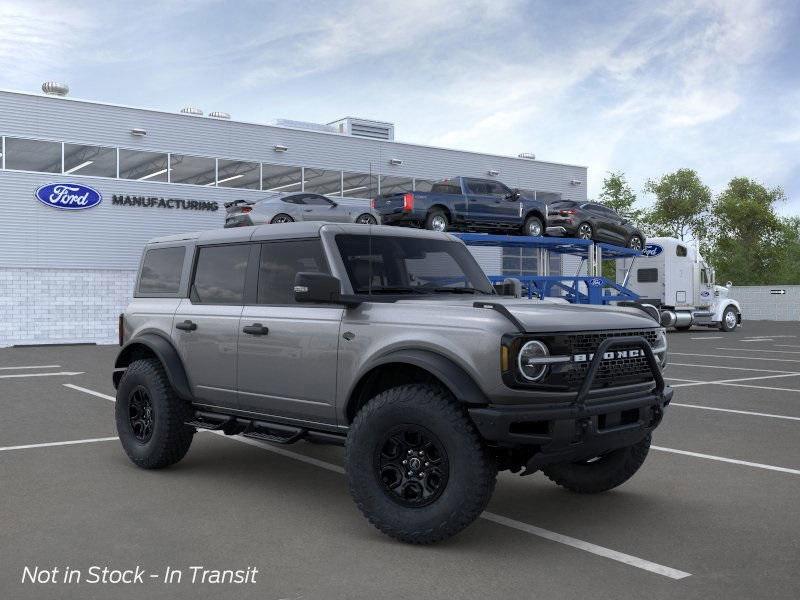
pixel 407 265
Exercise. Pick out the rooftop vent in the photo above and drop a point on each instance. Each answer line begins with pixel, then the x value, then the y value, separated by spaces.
pixel 53 88
pixel 303 125
pixel 192 110
pixel 527 155
pixel 219 115
pixel 376 130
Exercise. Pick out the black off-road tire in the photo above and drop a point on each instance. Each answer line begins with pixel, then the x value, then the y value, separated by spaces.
pixel 471 471
pixel 600 475
pixel 170 437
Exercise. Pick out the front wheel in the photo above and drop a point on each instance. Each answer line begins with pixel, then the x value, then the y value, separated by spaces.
pixel 533 227
pixel 367 219
pixel 729 319
pixel 600 473
pixel 635 243
pixel 416 466
pixel 151 419
pixel 585 231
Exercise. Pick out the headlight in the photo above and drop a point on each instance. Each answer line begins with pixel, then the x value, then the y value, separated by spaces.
pixel 660 348
pixel 529 360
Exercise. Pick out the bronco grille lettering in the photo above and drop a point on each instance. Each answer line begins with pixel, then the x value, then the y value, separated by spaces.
pixel 618 354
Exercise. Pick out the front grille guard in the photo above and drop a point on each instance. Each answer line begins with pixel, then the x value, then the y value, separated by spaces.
pixel 606 345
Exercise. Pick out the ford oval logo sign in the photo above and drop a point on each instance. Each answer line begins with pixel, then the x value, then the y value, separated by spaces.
pixel 596 282
pixel 68 196
pixel 652 250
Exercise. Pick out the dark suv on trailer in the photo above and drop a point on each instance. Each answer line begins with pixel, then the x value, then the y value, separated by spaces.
pixel 593 221
pixel 393 343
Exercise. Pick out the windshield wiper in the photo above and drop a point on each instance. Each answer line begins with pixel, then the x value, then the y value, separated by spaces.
pixel 389 290
pixel 458 290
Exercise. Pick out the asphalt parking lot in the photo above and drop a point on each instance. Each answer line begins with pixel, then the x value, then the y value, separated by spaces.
pixel 714 512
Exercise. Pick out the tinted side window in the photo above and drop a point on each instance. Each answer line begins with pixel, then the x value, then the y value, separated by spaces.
pixel 446 187
pixel 161 271
pixel 317 200
pixel 477 187
pixel 680 251
pixel 280 262
pixel 219 275
pixel 647 275
pixel 497 189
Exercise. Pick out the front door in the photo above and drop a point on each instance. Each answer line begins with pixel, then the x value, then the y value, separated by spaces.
pixel 206 325
pixel 288 351
pixel 319 208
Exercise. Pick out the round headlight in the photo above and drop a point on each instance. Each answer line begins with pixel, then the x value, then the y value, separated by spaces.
pixel 529 367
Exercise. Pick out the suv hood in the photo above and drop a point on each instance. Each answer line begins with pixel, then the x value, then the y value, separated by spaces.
pixel 537 316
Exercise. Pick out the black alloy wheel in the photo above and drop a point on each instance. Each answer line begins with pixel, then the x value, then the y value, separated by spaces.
pixel 366 219
pixel 282 218
pixel 411 465
pixel 140 414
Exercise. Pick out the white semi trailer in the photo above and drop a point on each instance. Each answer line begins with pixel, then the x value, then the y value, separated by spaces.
pixel 673 277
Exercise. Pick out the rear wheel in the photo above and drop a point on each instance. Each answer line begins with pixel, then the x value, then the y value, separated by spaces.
pixel 635 242
pixel 367 219
pixel 585 231
pixel 416 466
pixel 151 419
pixel 600 473
pixel 282 218
pixel 533 227
pixel 437 220
pixel 729 319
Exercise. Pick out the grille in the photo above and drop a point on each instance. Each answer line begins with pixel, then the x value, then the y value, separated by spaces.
pixel 615 372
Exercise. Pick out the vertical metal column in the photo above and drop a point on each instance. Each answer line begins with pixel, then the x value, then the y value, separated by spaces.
pixel 590 261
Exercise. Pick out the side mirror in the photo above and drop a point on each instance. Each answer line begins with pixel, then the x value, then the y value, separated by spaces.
pixel 320 288
pixel 334 204
pixel 514 195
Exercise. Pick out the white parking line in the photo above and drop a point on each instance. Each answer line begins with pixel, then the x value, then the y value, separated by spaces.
pixel 64 373
pixel 707 337
pixel 761 387
pixel 50 444
pixel 787 346
pixel 759 350
pixel 727 460
pixel 88 391
pixel 627 559
pixel 672 364
pixel 757 340
pixel 31 367
pixel 747 358
pixel 732 381
pixel 738 412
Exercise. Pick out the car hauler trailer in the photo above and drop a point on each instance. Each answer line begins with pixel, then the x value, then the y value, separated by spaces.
pixel 672 276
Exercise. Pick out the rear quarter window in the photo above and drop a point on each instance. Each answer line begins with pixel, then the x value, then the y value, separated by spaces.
pixel 161 272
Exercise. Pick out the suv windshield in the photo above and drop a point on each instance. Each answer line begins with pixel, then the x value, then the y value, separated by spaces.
pixel 406 265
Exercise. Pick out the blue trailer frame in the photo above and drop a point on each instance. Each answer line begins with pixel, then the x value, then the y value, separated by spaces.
pixel 578 289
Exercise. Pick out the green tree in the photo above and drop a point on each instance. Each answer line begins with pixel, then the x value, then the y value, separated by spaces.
pixel 751 244
pixel 681 206
pixel 618 195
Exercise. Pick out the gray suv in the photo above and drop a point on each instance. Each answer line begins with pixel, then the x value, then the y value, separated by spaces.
pixel 393 343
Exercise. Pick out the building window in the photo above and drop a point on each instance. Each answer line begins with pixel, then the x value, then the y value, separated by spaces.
pixel 325 182
pixel 359 185
pixel 396 185
pixel 195 170
pixel 423 185
pixel 33 155
pixel 238 174
pixel 279 178
pixel 143 166
pixel 90 160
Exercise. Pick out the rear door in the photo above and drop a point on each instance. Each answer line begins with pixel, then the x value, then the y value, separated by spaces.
pixel 206 325
pixel 480 201
pixel 287 351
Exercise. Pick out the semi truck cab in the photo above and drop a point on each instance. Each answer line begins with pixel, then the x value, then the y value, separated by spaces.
pixel 673 276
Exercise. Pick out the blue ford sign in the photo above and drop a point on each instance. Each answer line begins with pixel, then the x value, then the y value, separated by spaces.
pixel 596 282
pixel 68 196
pixel 652 250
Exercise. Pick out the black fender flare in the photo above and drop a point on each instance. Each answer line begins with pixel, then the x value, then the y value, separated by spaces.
pixel 535 212
pixel 452 376
pixel 165 352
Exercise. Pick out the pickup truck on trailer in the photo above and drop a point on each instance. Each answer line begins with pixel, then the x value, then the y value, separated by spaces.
pixel 466 204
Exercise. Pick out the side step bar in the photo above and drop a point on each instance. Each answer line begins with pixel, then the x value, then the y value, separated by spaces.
pixel 265 431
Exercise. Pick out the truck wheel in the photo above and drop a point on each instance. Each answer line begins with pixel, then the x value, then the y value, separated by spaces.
pixel 729 320
pixel 151 419
pixel 533 227
pixel 601 473
pixel 417 468
pixel 436 220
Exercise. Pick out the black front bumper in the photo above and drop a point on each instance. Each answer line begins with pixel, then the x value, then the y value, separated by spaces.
pixel 584 428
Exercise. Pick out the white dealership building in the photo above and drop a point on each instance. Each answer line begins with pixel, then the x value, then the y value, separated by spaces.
pixel 65 275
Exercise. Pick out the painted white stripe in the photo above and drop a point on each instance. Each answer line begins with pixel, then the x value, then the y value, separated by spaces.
pixel 727 460
pixel 707 337
pixel 31 367
pixel 731 381
pixel 587 547
pixel 747 358
pixel 672 364
pixel 757 340
pixel 686 380
pixel 51 444
pixel 759 350
pixel 761 387
pixel 738 412
pixel 518 525
pixel 787 346
pixel 63 373
pixel 88 391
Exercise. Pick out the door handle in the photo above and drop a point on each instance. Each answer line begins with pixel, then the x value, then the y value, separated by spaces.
pixel 308 209
pixel 255 329
pixel 187 325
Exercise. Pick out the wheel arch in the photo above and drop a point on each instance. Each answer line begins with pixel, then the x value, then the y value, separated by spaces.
pixel 535 212
pixel 412 366
pixel 153 345
pixel 445 209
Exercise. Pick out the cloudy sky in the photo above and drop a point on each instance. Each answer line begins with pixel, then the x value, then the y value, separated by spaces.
pixel 641 87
